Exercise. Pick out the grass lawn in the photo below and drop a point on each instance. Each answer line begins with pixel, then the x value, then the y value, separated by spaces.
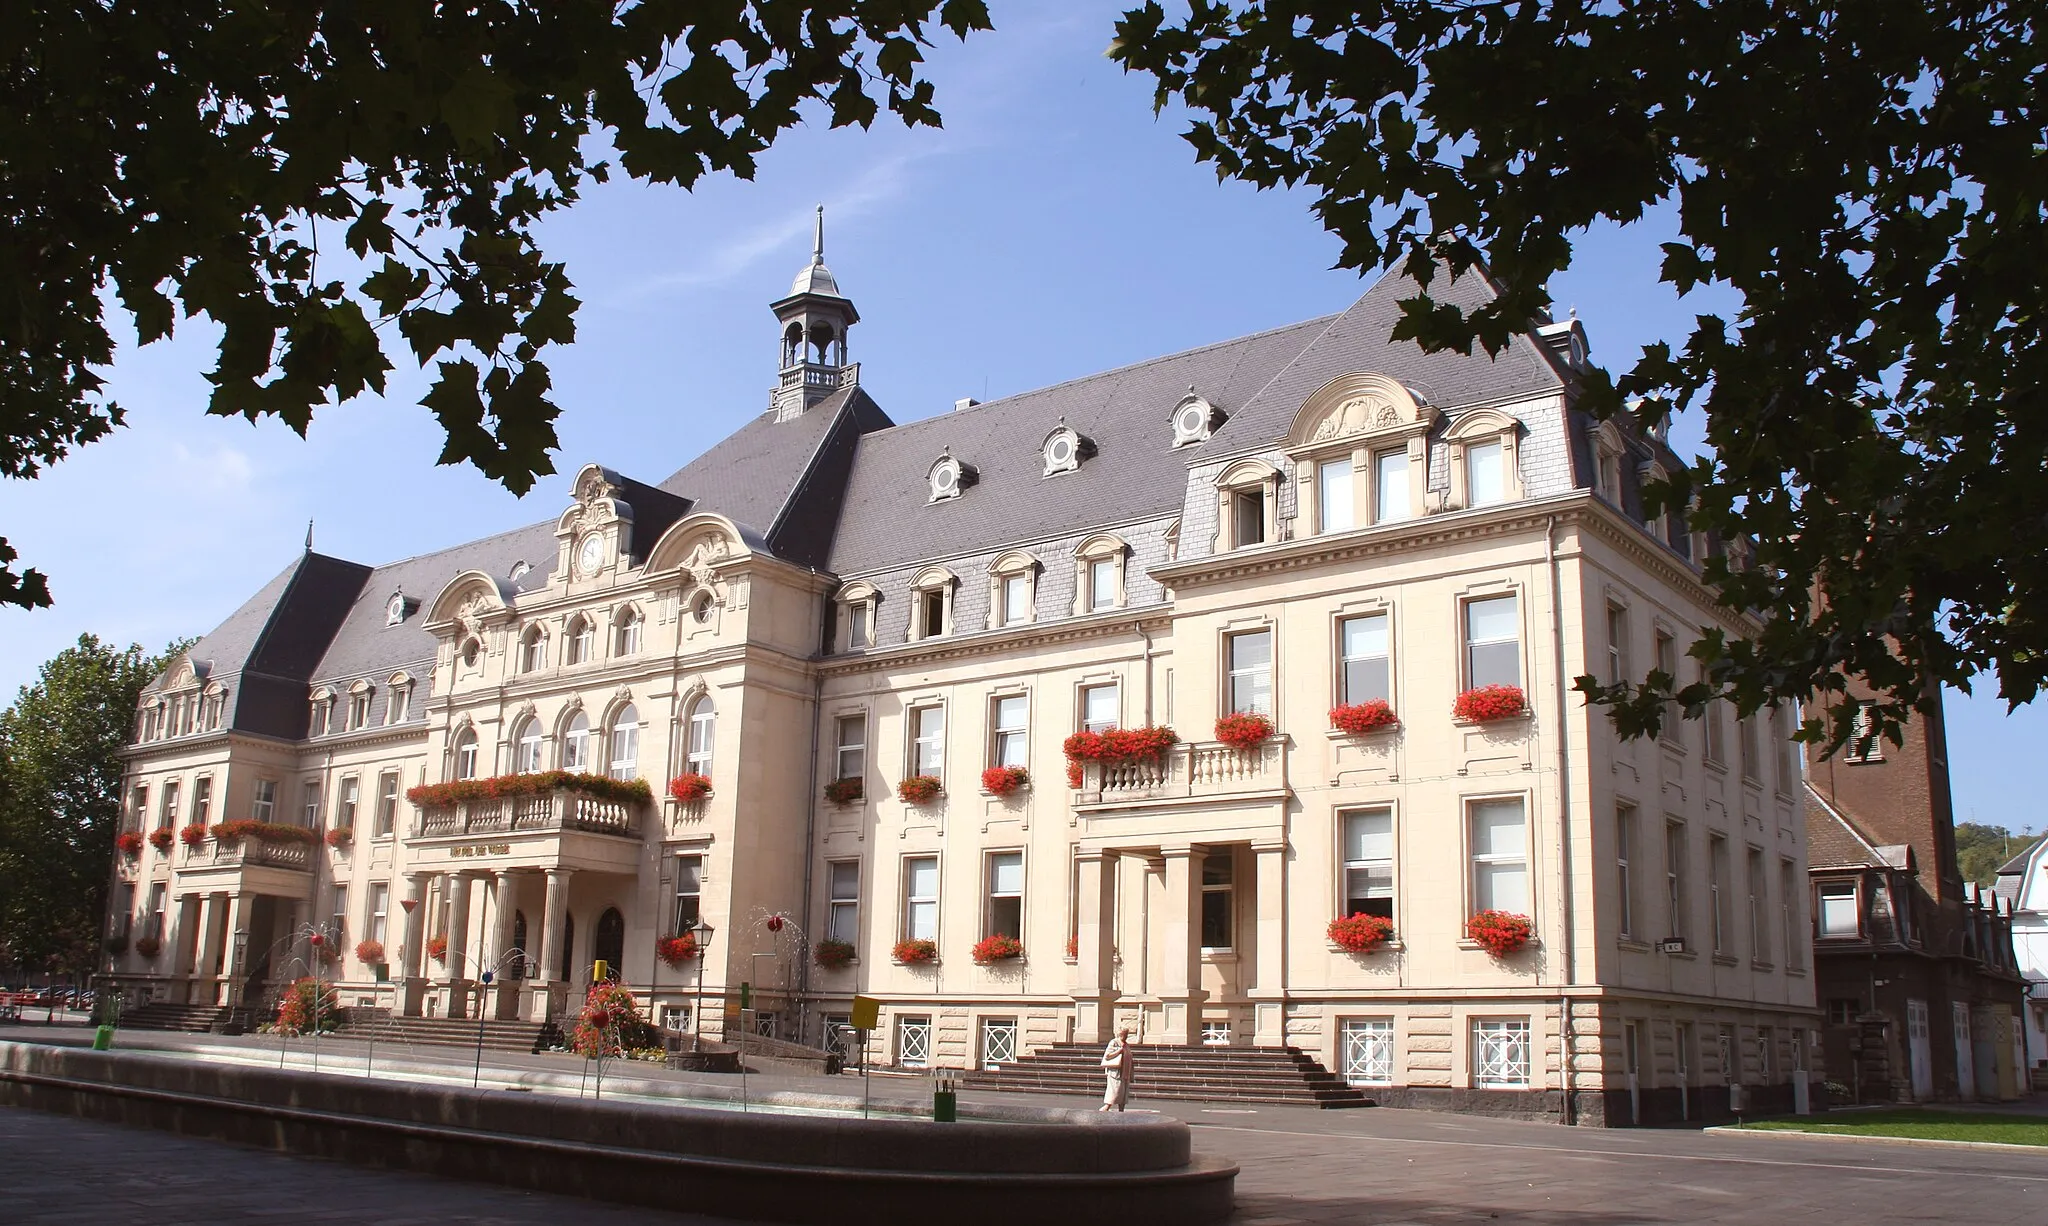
pixel 1926 1125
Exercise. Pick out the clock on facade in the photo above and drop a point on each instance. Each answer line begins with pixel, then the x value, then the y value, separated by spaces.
pixel 590 555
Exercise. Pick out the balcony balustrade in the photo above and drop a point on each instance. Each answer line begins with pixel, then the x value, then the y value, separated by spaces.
pixel 1188 770
pixel 249 851
pixel 544 812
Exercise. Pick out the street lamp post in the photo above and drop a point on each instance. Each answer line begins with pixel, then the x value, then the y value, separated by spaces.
pixel 654 959
pixel 241 968
pixel 703 933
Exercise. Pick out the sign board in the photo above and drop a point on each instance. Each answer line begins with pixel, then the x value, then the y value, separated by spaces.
pixel 867 1013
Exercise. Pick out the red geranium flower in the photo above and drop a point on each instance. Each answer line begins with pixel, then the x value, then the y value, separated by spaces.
pixel 1243 729
pixel 1360 717
pixel 1490 702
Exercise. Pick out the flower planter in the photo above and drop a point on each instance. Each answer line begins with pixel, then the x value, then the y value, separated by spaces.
pixel 437 948
pixel 844 791
pixel 1358 718
pixel 308 1004
pixel 117 945
pixel 1003 780
pixel 149 947
pixel 128 844
pixel 832 954
pixel 1501 932
pixel 533 783
pixel 341 836
pixel 162 839
pixel 1244 730
pixel 1073 948
pixel 676 950
pixel 1489 703
pixel 1360 933
pixel 689 787
pixel 997 948
pixel 918 789
pixel 193 835
pixel 370 952
pixel 1115 745
pixel 915 953
pixel 268 832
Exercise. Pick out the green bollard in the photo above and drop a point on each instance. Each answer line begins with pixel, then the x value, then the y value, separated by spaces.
pixel 945 1101
pixel 102 1038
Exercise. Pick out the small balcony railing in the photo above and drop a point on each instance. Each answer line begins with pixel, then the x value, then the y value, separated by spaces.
pixel 1188 769
pixel 250 850
pixel 541 813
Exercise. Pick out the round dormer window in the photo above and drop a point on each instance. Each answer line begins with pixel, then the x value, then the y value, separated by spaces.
pixel 700 608
pixel 1063 451
pixel 945 479
pixel 1191 421
pixel 470 651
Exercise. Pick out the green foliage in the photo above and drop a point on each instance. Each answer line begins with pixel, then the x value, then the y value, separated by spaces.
pixel 60 800
pixel 1980 849
pixel 317 179
pixel 1995 1127
pixel 1867 180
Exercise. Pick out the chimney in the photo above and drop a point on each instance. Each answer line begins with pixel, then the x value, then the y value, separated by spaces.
pixel 965 402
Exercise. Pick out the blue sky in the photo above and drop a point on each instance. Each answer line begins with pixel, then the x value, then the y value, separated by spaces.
pixel 1052 229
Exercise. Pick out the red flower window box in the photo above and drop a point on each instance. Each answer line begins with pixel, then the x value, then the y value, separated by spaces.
pixel 832 954
pixel 193 835
pixel 269 832
pixel 997 948
pixel 1244 729
pixel 1115 745
pixel 1360 933
pixel 341 836
pixel 533 783
pixel 162 839
pixel 1501 932
pixel 370 951
pixel 129 844
pixel 1358 718
pixel 677 950
pixel 915 952
pixel 1490 702
pixel 1003 780
pixel 918 789
pixel 689 787
pixel 437 948
pixel 844 791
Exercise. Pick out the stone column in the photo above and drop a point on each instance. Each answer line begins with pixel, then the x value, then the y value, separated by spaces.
pixel 1094 948
pixel 1270 996
pixel 241 909
pixel 415 929
pixel 546 991
pixel 1180 994
pixel 213 918
pixel 458 944
pixel 505 897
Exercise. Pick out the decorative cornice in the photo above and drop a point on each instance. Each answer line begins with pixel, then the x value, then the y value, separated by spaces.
pixel 991 642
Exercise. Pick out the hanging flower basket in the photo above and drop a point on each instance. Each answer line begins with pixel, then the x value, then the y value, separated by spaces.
pixel 832 954
pixel 676 950
pixel 129 844
pixel 689 787
pixel 1115 745
pixel 1357 718
pixel 370 952
pixel 918 789
pixel 193 835
pixel 844 791
pixel 532 783
pixel 118 944
pixel 1490 702
pixel 1360 933
pixel 997 948
pixel 437 948
pixel 162 839
pixel 1501 932
pixel 1003 780
pixel 341 836
pixel 1244 729
pixel 912 953
pixel 149 947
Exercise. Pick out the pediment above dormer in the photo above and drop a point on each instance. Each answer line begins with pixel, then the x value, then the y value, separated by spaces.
pixel 1359 409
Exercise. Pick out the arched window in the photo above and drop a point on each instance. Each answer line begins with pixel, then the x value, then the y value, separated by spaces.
pixel 465 754
pixel 515 959
pixel 626 743
pixel 576 743
pixel 582 638
pixel 533 650
pixel 526 747
pixel 610 945
pixel 626 634
pixel 703 723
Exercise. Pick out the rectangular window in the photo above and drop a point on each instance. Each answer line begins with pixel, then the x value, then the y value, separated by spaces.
pixel 138 806
pixel 1617 645
pixel 933 606
pixel 1752 756
pixel 1390 486
pixel 689 893
pixel 1333 495
pixel 337 922
pixel 380 906
pixel 1842 1010
pixel 1006 894
pixel 1100 707
pixel 1369 863
pixel 1838 909
pixel 1493 646
pixel 1368 1051
pixel 921 898
pixel 1016 599
pixel 1251 672
pixel 1716 734
pixel 928 746
pixel 1759 908
pixel 1624 880
pixel 998 1041
pixel 1500 1053
pixel 1485 473
pixel 1788 916
pixel 157 890
pixel 202 799
pixel 1007 724
pixel 1674 877
pixel 1767 1053
pixel 122 922
pixel 1786 725
pixel 852 741
pixel 170 806
pixel 1500 857
pixel 263 806
pixel 1217 901
pixel 914 1042
pixel 310 817
pixel 397 710
pixel 1717 889
pixel 387 802
pixel 860 624
pixel 844 922
pixel 1102 577
pixel 1248 517
pixel 351 800
pixel 1366 670
pixel 359 710
pixel 1865 745
pixel 1666 662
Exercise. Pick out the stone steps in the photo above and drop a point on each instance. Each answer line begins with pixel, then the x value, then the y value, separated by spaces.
pixel 1279 1075
pixel 520 1038
pixel 165 1015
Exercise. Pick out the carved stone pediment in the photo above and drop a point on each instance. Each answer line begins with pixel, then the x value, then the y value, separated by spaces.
pixel 1358 407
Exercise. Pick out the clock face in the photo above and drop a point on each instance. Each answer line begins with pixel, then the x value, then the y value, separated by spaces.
pixel 590 555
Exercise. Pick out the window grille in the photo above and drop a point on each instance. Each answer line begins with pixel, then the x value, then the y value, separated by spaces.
pixel 914 1042
pixel 1500 1054
pixel 998 1041
pixel 1369 1052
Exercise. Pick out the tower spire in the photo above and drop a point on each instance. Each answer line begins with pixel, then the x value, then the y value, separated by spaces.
pixel 818 238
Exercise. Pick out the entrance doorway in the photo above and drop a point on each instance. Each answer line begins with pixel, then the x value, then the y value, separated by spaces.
pixel 1966 1065
pixel 610 945
pixel 1919 1050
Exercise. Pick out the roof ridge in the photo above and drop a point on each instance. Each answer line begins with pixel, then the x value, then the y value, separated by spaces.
pixel 1848 823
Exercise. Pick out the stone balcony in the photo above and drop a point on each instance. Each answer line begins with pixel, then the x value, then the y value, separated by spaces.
pixel 563 828
pixel 1188 771
pixel 543 813
pixel 251 863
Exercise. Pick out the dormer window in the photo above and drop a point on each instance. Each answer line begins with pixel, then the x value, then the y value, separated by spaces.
pixel 1248 511
pixel 519 570
pixel 948 477
pixel 932 615
pixel 1099 574
pixel 394 611
pixel 359 706
pixel 1484 459
pixel 1064 450
pixel 1194 420
pixel 857 601
pixel 472 651
pixel 1013 590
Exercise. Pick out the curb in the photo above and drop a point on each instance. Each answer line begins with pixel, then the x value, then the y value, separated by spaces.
pixel 2005 1146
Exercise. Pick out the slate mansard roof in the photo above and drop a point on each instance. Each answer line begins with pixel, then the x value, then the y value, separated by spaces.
pixel 843 488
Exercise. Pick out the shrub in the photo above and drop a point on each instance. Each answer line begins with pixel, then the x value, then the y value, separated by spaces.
pixel 437 948
pixel 832 954
pixel 533 783
pixel 676 950
pixel 193 835
pixel 1501 932
pixel 1244 729
pixel 915 951
pixel 1359 717
pixel 296 1012
pixel 129 843
pixel 1003 780
pixel 370 951
pixel 918 789
pixel 1360 933
pixel 1490 702
pixel 610 1023
pixel 341 836
pixel 997 948
pixel 844 791
pixel 689 787
pixel 162 839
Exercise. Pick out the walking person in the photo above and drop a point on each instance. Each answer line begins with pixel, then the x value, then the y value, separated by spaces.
pixel 1116 1069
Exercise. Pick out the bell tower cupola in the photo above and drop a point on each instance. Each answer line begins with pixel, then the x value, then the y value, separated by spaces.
pixel 814 319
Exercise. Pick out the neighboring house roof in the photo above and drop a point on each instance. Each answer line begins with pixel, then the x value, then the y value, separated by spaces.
pixel 1833 841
